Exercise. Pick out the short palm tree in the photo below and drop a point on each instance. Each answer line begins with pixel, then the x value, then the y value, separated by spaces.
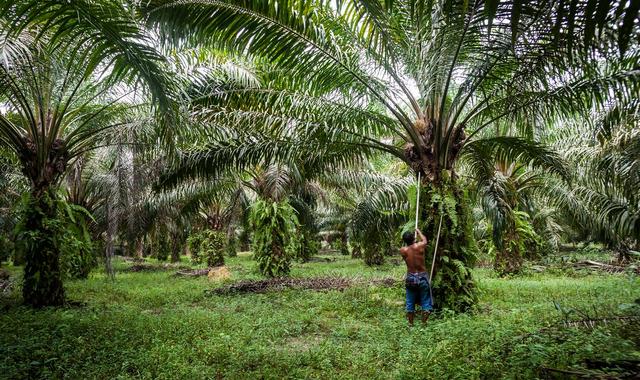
pixel 429 77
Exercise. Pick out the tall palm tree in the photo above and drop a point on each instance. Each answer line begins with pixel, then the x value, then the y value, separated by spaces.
pixel 434 75
pixel 61 62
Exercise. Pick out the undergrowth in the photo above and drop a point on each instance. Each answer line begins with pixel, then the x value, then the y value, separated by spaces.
pixel 155 325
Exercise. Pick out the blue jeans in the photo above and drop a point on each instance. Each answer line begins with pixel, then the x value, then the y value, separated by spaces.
pixel 417 285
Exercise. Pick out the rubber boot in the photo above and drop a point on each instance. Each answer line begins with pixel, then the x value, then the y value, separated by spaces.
pixel 425 317
pixel 410 318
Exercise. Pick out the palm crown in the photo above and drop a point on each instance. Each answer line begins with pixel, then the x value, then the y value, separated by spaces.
pixel 439 72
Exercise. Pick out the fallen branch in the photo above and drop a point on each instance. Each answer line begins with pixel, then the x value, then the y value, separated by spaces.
pixel 590 323
pixel 279 284
pixel 594 265
pixel 593 322
pixel 193 272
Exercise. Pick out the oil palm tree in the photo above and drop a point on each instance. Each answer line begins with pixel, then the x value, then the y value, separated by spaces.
pixel 12 186
pixel 434 75
pixel 61 63
pixel 371 209
pixel 503 195
pixel 282 216
pixel 502 178
pixel 602 202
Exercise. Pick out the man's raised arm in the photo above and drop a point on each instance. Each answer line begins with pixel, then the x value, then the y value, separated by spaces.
pixel 423 240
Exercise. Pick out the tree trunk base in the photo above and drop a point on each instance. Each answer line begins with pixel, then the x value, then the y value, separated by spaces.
pixel 42 284
pixel 452 284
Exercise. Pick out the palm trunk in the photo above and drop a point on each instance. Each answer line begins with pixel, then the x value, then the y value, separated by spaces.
pixel 175 247
pixel 112 229
pixel 139 248
pixel 388 245
pixel 308 245
pixel 356 251
pixel 232 243
pixel 344 243
pixel 374 251
pixel 42 278
pixel 509 259
pixel 453 286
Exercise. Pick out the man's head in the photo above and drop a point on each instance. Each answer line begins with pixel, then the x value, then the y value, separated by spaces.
pixel 408 238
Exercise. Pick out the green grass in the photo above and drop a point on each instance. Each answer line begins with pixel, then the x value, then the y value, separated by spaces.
pixel 154 325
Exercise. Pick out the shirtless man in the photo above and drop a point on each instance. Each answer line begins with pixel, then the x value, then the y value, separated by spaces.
pixel 417 282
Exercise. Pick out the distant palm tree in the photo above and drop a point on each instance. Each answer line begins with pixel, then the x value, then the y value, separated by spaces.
pixel 503 190
pixel 368 208
pixel 418 80
pixel 602 203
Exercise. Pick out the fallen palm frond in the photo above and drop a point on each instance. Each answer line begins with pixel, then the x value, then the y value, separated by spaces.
pixel 593 322
pixel 594 265
pixel 215 273
pixel 591 369
pixel 155 268
pixel 279 284
pixel 597 369
pixel 588 265
pixel 192 272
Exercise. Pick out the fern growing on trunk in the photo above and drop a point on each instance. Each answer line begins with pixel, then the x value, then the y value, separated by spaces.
pixel 212 247
pixel 274 225
pixel 452 284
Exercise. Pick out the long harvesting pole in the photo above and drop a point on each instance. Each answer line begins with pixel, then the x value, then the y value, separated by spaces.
pixel 415 233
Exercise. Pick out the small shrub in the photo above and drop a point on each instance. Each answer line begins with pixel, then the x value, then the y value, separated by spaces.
pixel 274 225
pixel 212 248
pixel 193 242
pixel 308 247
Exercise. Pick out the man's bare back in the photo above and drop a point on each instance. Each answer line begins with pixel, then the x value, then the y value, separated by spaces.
pixel 413 255
pixel 417 281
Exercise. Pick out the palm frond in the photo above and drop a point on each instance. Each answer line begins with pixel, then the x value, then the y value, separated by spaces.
pixel 116 42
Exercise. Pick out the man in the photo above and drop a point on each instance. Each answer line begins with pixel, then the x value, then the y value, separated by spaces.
pixel 417 282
